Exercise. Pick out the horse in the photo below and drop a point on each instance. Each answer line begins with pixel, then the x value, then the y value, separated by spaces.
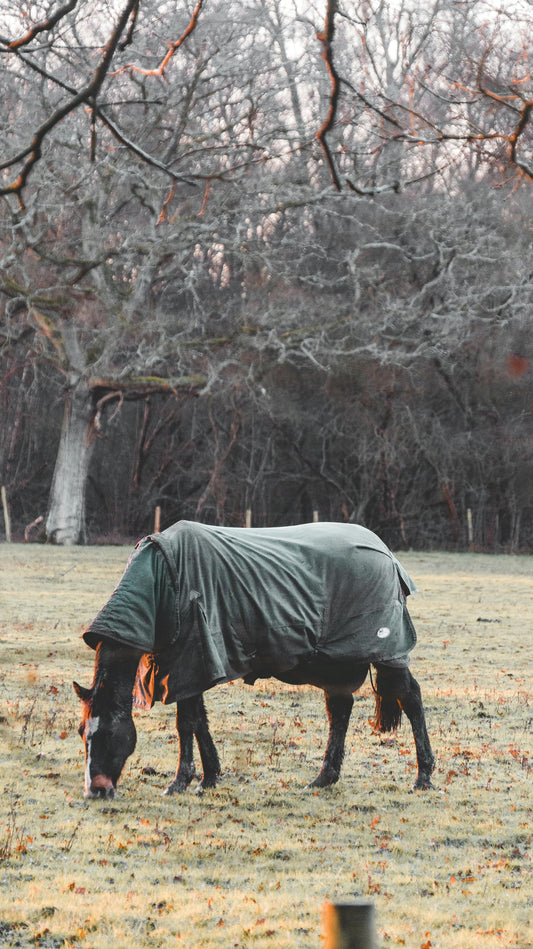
pixel 318 605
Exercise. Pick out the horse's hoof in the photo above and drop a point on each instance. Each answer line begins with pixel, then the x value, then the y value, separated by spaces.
pixel 423 785
pixel 207 784
pixel 174 789
pixel 323 781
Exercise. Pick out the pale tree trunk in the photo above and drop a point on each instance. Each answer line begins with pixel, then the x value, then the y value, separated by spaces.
pixel 65 523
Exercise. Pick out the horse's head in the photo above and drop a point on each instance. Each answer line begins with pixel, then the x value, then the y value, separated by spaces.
pixel 107 730
pixel 109 737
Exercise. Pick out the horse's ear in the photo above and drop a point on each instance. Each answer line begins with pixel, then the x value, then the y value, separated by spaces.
pixel 83 694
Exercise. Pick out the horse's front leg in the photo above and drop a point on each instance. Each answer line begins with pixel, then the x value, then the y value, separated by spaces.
pixel 191 722
pixel 206 747
pixel 186 717
pixel 398 686
pixel 339 709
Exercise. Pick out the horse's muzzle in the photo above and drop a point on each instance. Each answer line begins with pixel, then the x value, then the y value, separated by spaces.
pixel 101 787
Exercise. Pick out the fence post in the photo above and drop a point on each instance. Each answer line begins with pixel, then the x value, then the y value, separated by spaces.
pixel 157 519
pixel 248 517
pixel 7 519
pixel 470 528
pixel 349 925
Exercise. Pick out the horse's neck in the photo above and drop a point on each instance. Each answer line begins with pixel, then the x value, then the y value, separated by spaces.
pixel 116 668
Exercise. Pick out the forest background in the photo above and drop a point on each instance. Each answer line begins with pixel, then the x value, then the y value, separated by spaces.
pixel 270 255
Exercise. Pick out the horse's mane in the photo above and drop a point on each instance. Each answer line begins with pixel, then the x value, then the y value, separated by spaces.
pixel 115 668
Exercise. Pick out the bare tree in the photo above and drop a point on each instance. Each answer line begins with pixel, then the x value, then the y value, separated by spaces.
pixel 117 276
pixel 414 89
pixel 168 219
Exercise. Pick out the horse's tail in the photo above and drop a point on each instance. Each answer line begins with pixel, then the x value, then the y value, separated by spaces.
pixel 388 714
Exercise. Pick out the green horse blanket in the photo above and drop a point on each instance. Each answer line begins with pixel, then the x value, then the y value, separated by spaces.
pixel 208 604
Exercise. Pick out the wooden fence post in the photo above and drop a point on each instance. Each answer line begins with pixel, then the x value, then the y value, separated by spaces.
pixel 470 528
pixel 349 925
pixel 248 517
pixel 157 519
pixel 7 519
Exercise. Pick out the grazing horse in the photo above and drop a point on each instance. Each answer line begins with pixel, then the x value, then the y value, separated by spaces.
pixel 316 604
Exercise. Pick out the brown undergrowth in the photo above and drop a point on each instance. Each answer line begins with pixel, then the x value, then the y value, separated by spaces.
pixel 251 863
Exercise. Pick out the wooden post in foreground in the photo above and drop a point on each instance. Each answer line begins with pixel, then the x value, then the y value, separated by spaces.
pixel 248 517
pixel 157 519
pixel 349 925
pixel 7 519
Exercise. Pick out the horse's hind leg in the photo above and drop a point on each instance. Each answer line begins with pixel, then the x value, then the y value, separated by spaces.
pixel 397 690
pixel 206 747
pixel 411 703
pixel 339 708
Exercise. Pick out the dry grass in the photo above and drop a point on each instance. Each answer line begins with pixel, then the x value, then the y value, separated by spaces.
pixel 251 863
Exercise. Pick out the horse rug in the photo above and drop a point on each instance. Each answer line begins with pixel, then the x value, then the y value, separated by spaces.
pixel 207 604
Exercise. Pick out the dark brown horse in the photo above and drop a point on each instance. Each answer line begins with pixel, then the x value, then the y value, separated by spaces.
pixel 109 735
pixel 332 607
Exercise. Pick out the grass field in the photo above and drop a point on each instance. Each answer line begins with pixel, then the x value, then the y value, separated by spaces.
pixel 250 864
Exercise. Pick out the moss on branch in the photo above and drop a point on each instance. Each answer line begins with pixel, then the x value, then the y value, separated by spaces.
pixel 139 385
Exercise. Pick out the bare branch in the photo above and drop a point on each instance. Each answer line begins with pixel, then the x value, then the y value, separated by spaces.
pixel 220 460
pixel 32 154
pixel 134 386
pixel 515 137
pixel 326 39
pixel 41 27
pixel 503 100
pixel 133 23
pixel 97 111
pixel 132 146
pixel 172 47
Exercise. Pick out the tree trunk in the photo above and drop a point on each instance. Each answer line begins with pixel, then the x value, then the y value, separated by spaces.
pixel 65 523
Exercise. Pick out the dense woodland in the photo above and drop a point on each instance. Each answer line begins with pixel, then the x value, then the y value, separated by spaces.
pixel 270 255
